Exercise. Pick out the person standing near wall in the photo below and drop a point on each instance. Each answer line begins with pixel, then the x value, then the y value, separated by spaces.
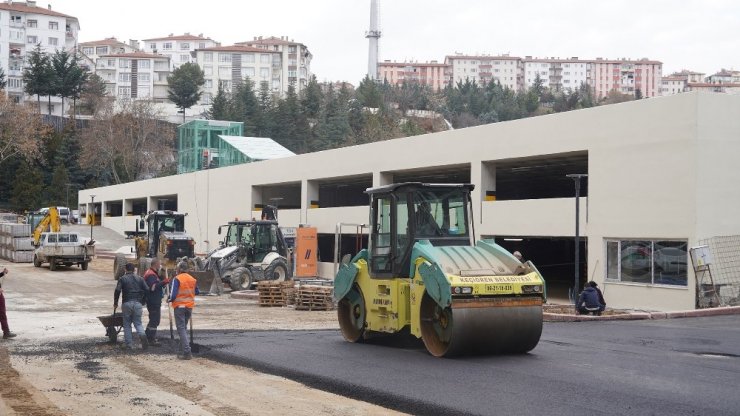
pixel 3 317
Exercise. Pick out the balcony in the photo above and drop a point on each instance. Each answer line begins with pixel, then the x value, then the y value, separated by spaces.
pixel 17 24
pixel 483 74
pixel 70 35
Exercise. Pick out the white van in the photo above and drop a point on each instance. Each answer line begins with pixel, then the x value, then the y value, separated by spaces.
pixel 65 214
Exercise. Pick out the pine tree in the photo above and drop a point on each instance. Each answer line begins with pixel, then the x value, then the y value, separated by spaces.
pixel 3 81
pixel 184 86
pixel 57 190
pixel 38 77
pixel 265 123
pixel 246 107
pixel 219 106
pixel 28 187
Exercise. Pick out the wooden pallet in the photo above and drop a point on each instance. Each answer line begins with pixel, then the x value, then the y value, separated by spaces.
pixel 273 293
pixel 314 298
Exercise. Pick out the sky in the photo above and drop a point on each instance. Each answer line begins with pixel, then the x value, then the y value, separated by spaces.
pixel 701 35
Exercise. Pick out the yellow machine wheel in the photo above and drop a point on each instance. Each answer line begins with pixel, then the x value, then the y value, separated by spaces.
pixel 490 329
pixel 352 314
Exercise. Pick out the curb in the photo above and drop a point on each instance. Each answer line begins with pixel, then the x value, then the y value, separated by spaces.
pixel 634 316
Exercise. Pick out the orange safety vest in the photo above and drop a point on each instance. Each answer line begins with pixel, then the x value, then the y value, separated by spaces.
pixel 185 292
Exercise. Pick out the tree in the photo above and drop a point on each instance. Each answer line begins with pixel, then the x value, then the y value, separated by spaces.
pixel 68 77
pixel 28 187
pixel 20 130
pixel 264 124
pixel 311 99
pixel 3 81
pixel 128 143
pixel 369 94
pixel 57 190
pixel 184 86
pixel 219 106
pixel 38 77
pixel 538 86
pixel 93 95
pixel 245 107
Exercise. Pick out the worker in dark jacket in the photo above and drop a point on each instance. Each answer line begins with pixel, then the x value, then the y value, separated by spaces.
pixel 134 289
pixel 598 291
pixel 155 285
pixel 3 317
pixel 588 301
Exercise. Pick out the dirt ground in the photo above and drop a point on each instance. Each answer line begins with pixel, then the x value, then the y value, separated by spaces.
pixel 61 364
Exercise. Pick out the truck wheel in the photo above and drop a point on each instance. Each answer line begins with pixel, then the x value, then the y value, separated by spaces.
pixel 52 264
pixel 83 265
pixel 36 261
pixel 241 279
pixel 277 270
pixel 119 266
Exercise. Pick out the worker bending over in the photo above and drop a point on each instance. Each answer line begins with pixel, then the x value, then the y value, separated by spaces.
pixel 182 297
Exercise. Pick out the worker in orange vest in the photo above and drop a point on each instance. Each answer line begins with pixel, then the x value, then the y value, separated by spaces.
pixel 182 298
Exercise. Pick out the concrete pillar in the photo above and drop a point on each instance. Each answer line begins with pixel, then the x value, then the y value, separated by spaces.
pixel 485 186
pixel 382 178
pixel 309 194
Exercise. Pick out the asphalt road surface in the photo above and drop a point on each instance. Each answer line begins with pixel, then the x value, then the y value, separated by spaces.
pixel 664 367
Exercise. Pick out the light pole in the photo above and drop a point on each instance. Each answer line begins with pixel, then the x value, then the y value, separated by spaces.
pixel 577 180
pixel 92 215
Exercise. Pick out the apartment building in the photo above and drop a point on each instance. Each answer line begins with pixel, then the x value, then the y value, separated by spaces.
pixel 626 76
pixel 230 65
pixel 179 48
pixel 557 74
pixel 135 75
pixel 23 25
pixel 292 64
pixel 432 74
pixel 672 84
pixel 97 48
pixel 724 76
pixel 483 69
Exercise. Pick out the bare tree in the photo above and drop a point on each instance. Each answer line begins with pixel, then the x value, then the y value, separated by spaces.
pixel 20 130
pixel 128 141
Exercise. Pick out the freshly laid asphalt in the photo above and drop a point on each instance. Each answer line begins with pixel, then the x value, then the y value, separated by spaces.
pixel 685 366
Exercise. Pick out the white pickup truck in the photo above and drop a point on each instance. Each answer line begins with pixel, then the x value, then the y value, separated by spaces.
pixel 63 248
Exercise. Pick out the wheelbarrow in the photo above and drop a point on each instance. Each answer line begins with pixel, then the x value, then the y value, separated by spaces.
pixel 113 325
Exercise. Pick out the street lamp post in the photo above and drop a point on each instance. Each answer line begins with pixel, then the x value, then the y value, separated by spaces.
pixel 577 180
pixel 92 215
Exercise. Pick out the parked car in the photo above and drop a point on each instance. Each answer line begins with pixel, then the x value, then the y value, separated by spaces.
pixel 75 216
pixel 65 214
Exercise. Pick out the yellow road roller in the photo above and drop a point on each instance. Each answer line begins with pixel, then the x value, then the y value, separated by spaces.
pixel 423 273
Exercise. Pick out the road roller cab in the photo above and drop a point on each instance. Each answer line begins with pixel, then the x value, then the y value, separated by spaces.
pixel 424 273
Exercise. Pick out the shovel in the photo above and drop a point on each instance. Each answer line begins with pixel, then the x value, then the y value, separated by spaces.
pixel 194 348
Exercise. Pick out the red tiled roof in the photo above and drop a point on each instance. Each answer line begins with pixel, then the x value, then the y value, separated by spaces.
pixel 405 64
pixel 179 37
pixel 673 78
pixel 483 57
pixel 104 42
pixel 272 40
pixel 24 8
pixel 236 48
pixel 707 85
pixel 626 61
pixel 142 55
pixel 557 60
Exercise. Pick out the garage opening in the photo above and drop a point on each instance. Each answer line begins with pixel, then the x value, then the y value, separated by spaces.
pixel 136 207
pixel 344 192
pixel 113 208
pixel 283 196
pixel 164 202
pixel 540 177
pixel 554 257
pixel 441 174
pixel 349 244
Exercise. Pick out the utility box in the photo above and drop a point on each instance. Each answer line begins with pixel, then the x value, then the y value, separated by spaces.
pixel 701 257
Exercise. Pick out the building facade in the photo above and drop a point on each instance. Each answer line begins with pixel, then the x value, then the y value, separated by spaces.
pixel 724 76
pixel 432 74
pixel 482 69
pixel 626 77
pixel 661 179
pixel 97 48
pixel 23 26
pixel 555 73
pixel 179 48
pixel 228 66
pixel 135 75
pixel 292 64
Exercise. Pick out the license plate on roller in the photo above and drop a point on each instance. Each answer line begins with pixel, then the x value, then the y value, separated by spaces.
pixel 499 288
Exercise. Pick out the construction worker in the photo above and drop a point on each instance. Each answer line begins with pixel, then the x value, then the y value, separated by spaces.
pixel 154 296
pixel 134 290
pixel 588 301
pixel 182 297
pixel 3 317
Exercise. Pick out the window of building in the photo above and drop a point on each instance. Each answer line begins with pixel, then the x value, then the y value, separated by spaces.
pixel 647 261
pixel 111 63
pixel 248 58
pixel 224 57
pixel 101 50
pixel 124 77
pixel 184 58
pixel 124 92
pixel 248 72
pixel 167 46
pixel 53 41
pixel 224 72
pixel 33 39
pixel 225 84
pixel 209 83
pixel 202 45
pixel 153 46
pixel 292 73
pixel 15 83
pixel 143 91
pixel 144 64
pixel 144 77
pixel 291 49
pixel 32 23
pixel 88 50
pixel 53 25
pixel 275 84
pixel 264 73
pixel 16 19
pixel 184 46
pixel 206 98
pixel 265 58
pixel 208 57
pixel 208 70
pixel 50 107
pixel 124 63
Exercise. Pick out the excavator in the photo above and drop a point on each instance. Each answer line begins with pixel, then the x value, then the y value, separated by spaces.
pixel 44 222
pixel 424 274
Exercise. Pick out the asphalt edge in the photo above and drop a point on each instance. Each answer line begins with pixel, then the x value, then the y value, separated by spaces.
pixel 633 316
